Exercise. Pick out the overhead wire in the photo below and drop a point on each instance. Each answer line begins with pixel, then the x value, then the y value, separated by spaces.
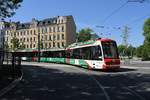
pixel 115 11
pixel 138 19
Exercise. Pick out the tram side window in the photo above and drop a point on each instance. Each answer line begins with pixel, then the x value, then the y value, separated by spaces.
pixel 86 53
pixel 43 54
pixel 67 54
pixel 96 53
pixel 60 54
pixel 76 54
pixel 82 53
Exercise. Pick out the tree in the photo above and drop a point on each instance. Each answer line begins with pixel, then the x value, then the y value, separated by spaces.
pixel 121 50
pixel 22 45
pixel 84 34
pixel 146 29
pixel 146 46
pixel 131 51
pixel 7 7
pixel 15 43
pixel 139 51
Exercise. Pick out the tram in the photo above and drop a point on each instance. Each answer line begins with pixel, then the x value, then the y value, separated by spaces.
pixel 96 54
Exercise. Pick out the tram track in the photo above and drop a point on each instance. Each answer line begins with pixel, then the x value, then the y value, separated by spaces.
pixel 133 92
pixel 108 93
pixel 104 90
pixel 97 82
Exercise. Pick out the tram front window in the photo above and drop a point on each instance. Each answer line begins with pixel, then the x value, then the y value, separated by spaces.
pixel 110 49
pixel 96 53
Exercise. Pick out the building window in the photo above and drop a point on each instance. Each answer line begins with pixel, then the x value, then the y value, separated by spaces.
pixel 31 32
pixel 53 29
pixel 54 37
pixel 50 37
pixel 53 44
pixel 31 39
pixel 21 40
pixel 62 21
pixel 50 30
pixel 49 44
pixel 63 44
pixel 58 45
pixel 34 38
pixel 21 33
pixel 24 39
pixel 33 45
pixel 27 32
pixel 30 45
pixel 58 29
pixel 27 39
pixel 34 32
pixel 58 37
pixel 62 28
pixel 58 21
pixel 62 36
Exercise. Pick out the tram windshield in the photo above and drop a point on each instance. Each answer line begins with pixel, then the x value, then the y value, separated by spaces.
pixel 110 49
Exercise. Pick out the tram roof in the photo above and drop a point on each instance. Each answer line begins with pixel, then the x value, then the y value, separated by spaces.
pixel 36 50
pixel 90 42
pixel 81 43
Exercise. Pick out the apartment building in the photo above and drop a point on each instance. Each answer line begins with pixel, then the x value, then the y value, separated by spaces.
pixel 56 32
pixel 1 35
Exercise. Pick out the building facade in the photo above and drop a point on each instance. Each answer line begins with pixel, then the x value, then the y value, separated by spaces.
pixel 56 32
pixel 2 26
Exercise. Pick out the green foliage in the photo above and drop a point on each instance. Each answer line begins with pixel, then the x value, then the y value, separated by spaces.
pixel 146 28
pixel 146 52
pixel 22 46
pixel 129 51
pixel 15 43
pixel 84 34
pixel 139 51
pixel 7 7
pixel 41 44
pixel 121 50
pixel 146 45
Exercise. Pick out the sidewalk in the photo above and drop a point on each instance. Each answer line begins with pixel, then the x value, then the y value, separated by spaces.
pixel 7 75
pixel 135 63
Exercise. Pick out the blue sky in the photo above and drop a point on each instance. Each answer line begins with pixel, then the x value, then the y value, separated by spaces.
pixel 91 13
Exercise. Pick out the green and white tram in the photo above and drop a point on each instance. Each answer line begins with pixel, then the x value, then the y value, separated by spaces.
pixel 99 54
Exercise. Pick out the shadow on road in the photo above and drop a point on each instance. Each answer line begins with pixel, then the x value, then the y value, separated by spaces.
pixel 55 84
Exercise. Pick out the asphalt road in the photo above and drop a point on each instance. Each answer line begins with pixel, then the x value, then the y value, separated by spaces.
pixel 44 81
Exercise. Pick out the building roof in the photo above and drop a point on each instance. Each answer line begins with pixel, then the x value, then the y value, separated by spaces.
pixel 38 23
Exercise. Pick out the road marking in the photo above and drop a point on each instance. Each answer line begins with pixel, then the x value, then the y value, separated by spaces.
pixel 97 82
pixel 133 92
pixel 135 67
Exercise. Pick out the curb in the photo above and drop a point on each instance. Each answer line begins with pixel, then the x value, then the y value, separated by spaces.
pixel 11 85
